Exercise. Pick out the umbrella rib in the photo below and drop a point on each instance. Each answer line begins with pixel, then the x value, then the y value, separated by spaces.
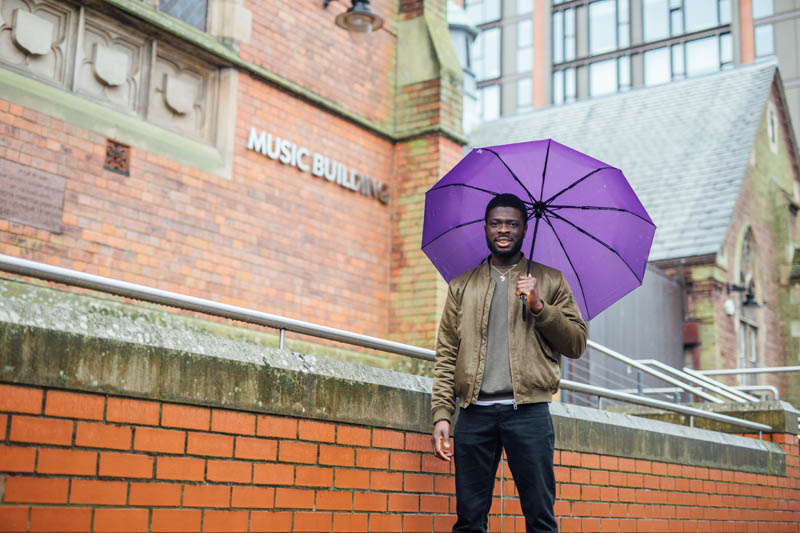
pixel 530 196
pixel 544 170
pixel 600 208
pixel 612 250
pixel 569 260
pixel 464 185
pixel 448 230
pixel 575 183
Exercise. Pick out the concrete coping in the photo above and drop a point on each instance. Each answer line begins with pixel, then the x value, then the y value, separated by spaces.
pixel 61 339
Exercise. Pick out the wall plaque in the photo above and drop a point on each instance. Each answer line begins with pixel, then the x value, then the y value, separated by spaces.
pixel 31 196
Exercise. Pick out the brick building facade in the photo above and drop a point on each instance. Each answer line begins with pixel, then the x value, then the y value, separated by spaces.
pixel 267 159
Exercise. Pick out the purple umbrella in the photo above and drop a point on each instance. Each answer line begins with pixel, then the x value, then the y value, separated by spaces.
pixel 584 218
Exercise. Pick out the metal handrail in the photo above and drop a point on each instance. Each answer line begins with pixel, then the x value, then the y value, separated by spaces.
pixel 756 370
pixel 172 299
pixel 711 381
pixel 721 390
pixel 641 400
pixel 647 370
pixel 770 388
pixel 673 390
pixel 209 307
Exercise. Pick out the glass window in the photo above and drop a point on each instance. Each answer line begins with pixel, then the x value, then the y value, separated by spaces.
pixel 483 11
pixel 624 69
pixel 524 33
pixel 524 6
pixel 724 11
pixel 489 98
pixel 524 94
pixel 558 87
pixel 570 87
pixel 700 14
pixel 726 50
pixel 603 77
pixel 623 24
pixel 602 26
pixel 558 37
pixel 569 34
pixel 525 59
pixel 524 45
pixel 702 56
pixel 193 12
pixel 675 22
pixel 762 8
pixel 764 43
pixel 486 54
pixel 678 68
pixel 655 15
pixel 656 66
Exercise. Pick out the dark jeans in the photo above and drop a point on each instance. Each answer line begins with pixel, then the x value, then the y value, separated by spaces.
pixel 526 433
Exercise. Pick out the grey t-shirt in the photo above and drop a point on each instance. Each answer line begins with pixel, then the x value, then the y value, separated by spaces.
pixel 496 384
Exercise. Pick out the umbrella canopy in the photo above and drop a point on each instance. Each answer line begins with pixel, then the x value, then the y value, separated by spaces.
pixel 583 218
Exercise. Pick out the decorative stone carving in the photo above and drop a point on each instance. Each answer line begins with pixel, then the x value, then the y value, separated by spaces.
pixel 110 65
pixel 111 62
pixel 179 93
pixel 32 34
pixel 37 37
pixel 183 94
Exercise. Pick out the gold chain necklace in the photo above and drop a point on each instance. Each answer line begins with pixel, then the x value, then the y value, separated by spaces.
pixel 502 272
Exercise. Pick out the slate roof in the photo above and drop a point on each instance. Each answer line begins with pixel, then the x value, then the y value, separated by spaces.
pixel 683 146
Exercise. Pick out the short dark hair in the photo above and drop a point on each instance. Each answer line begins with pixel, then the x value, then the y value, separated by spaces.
pixel 507 200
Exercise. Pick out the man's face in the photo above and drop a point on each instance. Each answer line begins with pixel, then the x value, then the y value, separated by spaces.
pixel 505 230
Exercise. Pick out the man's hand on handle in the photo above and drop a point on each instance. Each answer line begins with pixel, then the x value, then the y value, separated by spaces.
pixel 529 286
pixel 441 440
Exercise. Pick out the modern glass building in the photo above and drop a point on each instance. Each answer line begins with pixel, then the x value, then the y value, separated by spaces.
pixel 536 53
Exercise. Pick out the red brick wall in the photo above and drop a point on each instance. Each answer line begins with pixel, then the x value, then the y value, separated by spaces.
pixel 90 462
pixel 272 238
pixel 301 43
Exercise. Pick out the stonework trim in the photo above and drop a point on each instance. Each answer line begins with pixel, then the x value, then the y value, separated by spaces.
pixel 80 112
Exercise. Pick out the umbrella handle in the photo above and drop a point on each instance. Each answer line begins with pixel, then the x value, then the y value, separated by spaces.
pixel 524 307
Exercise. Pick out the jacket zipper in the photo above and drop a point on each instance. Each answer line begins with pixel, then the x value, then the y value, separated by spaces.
pixel 510 359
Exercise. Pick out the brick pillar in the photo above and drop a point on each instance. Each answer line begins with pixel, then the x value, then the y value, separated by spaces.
pixel 428 124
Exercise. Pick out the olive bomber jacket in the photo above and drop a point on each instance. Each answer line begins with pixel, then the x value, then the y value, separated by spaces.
pixel 535 345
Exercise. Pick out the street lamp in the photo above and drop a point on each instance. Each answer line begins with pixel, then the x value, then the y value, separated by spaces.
pixel 359 18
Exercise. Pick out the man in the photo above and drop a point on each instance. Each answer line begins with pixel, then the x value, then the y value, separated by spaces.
pixel 504 372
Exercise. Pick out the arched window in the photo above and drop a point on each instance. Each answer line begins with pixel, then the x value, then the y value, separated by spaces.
pixel 748 324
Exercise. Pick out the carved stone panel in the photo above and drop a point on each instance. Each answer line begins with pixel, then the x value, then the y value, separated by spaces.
pixel 183 94
pixel 111 64
pixel 31 196
pixel 37 38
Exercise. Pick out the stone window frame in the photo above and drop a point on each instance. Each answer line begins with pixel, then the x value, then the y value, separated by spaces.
pixel 228 20
pixel 748 322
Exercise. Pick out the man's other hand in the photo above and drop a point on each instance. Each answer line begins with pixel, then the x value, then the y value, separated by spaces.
pixel 441 440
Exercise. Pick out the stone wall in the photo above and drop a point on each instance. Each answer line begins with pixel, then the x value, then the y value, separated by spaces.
pixel 121 417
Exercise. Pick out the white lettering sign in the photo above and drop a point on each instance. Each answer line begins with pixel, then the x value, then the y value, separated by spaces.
pixel 319 165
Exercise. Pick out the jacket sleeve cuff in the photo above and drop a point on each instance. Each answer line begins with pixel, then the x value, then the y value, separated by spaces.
pixel 441 413
pixel 545 315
